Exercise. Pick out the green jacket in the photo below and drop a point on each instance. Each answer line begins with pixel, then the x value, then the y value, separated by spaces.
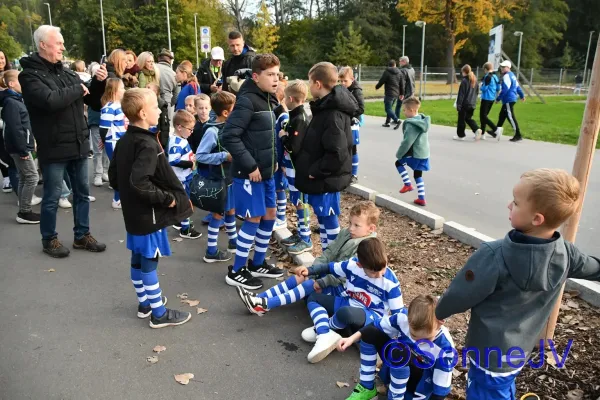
pixel 415 142
pixel 144 79
pixel 343 248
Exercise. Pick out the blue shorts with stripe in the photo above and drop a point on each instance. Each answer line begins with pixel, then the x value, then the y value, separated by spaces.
pixel 355 134
pixel 252 199
pixel 483 385
pixel 230 202
pixel 325 204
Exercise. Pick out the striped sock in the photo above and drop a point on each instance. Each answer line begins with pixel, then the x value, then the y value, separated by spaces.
pixel 355 164
pixel 152 289
pixel 213 235
pixel 230 228
pixel 263 235
pixel 332 227
pixel 420 188
pixel 303 226
pixel 244 242
pixel 403 175
pixel 319 317
pixel 292 296
pixel 280 288
pixel 398 379
pixel 322 232
pixel 368 363
pixel 335 323
pixel 281 204
pixel 185 224
pixel 138 284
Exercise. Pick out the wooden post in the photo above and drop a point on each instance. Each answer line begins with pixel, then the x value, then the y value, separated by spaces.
pixel 581 169
pixel 560 80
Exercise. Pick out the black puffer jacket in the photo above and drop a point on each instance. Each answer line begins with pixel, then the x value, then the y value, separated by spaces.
pixel 249 133
pixel 18 138
pixel 54 99
pixel 242 61
pixel 391 81
pixel 140 171
pixel 205 76
pixel 356 91
pixel 326 152
pixel 467 95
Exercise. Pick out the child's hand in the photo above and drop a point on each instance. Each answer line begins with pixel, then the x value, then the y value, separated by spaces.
pixel 173 203
pixel 282 133
pixel 344 343
pixel 228 158
pixel 193 158
pixel 301 271
pixel 317 287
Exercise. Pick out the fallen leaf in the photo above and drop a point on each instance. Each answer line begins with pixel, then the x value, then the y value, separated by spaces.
pixel 437 260
pixel 159 348
pixel 178 240
pixel 550 359
pixel 451 250
pixel 572 293
pixel 342 384
pixel 184 379
pixel 191 303
pixel 575 394
pixel 201 310
pixel 572 304
pixel 182 296
pixel 50 270
pixel 152 360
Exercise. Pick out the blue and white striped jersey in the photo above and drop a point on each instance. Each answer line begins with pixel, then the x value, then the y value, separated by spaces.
pixel 180 150
pixel 113 119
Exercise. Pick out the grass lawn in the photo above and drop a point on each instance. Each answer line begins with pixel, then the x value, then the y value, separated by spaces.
pixel 558 121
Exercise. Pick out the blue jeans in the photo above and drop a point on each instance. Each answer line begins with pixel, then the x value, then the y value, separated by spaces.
pixel 53 185
pixel 388 102
pixel 398 107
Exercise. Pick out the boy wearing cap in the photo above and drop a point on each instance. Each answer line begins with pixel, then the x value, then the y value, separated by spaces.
pixel 210 72
pixel 508 95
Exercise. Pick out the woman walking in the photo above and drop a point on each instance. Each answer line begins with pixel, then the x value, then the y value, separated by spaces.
pixel 490 86
pixel 466 103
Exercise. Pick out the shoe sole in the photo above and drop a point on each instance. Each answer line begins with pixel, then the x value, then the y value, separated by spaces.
pixel 261 275
pixel 279 227
pixel 65 208
pixel 177 228
pixel 323 354
pixel 170 323
pixel 241 294
pixel 144 316
pixel 100 185
pixel 55 255
pixel 27 222
pixel 231 282
pixel 295 253
pixel 231 251
pixel 190 237
pixel 290 244
pixel 7 190
pixel 212 260
pixel 78 247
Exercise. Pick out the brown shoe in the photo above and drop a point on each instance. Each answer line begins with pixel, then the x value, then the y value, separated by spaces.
pixel 87 242
pixel 54 248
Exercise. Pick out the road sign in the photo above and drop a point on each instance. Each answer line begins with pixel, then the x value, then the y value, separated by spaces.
pixel 205 39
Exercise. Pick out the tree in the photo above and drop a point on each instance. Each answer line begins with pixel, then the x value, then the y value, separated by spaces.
pixel 264 34
pixel 349 49
pixel 567 60
pixel 458 17
pixel 10 47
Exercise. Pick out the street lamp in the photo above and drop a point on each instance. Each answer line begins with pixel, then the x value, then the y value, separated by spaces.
pixel 403 38
pixel 587 56
pixel 169 28
pixel 421 24
pixel 520 35
pixel 102 19
pixel 49 13
pixel 196 33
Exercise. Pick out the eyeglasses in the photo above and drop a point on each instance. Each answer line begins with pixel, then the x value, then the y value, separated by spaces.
pixel 190 130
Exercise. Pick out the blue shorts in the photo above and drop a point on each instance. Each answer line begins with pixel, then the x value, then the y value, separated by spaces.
pixel 338 291
pixel 152 245
pixel 355 134
pixel 416 164
pixel 344 301
pixel 252 199
pixel 186 186
pixel 482 386
pixel 325 204
pixel 230 201
pixel 281 182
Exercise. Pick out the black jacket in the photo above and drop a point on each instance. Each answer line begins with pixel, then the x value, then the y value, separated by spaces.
pixel 140 171
pixel 391 79
pixel 296 130
pixel 205 76
pixel 407 83
pixel 196 137
pixel 54 99
pixel 467 95
pixel 356 91
pixel 164 125
pixel 326 152
pixel 18 138
pixel 237 62
pixel 249 133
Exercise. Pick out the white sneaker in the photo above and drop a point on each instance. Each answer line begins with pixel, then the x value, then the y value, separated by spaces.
pixel 309 335
pixel 499 133
pixel 325 344
pixel 116 205
pixel 63 202
pixel 279 224
pixel 35 200
pixel 483 136
pixel 477 135
pixel 98 181
pixel 92 199
pixel 105 177
pixel 458 138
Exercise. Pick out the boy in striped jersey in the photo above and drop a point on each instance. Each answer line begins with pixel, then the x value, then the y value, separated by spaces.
pixel 282 117
pixel 182 159
pixel 417 350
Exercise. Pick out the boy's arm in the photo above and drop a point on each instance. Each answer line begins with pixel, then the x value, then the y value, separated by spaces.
pixel 142 169
pixel 473 283
pixel 338 269
pixel 331 252
pixel 208 142
pixel 335 147
pixel 395 300
pixel 236 125
pixel 389 324
pixel 358 94
pixel 329 281
pixel 582 266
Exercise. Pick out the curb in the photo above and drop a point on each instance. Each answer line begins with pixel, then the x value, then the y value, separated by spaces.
pixel 305 259
pixel 465 235
pixel 413 212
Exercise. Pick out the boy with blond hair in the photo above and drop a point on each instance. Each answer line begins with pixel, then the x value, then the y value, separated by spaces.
pixel 511 285
pixel 202 109
pixel 190 105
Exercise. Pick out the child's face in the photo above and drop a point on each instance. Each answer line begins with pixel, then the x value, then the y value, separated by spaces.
pixel 121 91
pixel 346 81
pixel 374 274
pixel 360 227
pixel 15 85
pixel 315 88
pixel 189 106
pixel 522 216
pixel 130 61
pixel 184 130
pixel 267 80
pixel 290 102
pixel 410 112
pixel 203 110
pixel 150 112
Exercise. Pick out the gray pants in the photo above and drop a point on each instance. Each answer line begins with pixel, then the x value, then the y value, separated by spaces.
pixel 28 179
pixel 101 161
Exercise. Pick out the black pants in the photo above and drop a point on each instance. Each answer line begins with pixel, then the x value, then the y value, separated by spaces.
pixel 508 111
pixel 465 116
pixel 352 317
pixel 484 111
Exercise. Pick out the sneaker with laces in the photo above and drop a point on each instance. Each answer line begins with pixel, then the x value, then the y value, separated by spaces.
pixel 256 305
pixel 63 202
pixel 189 233
pixel 116 205
pixel 35 200
pixel 300 247
pixel 309 335
pixel 145 312
pixel 89 243
pixel 398 124
pixel 98 181
pixel 279 224
pixel 325 344
pixel 386 125
pixel 28 218
pixel 362 393
pixel 242 278
pixel 54 248
pixel 105 177
pixel 516 138
pixel 170 318
pixel 219 256
pixel 264 270
pixel 477 135
pixel 292 240
pixel 461 139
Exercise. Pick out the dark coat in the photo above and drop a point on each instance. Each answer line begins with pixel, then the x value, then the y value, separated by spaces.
pixel 54 99
pixel 467 95
pixel 205 77
pixel 242 61
pixel 164 124
pixel 296 130
pixel 391 81
pixel 249 133
pixel 18 138
pixel 140 171
pixel 356 91
pixel 326 152
pixel 407 84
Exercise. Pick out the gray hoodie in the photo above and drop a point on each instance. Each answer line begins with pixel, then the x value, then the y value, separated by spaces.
pixel 511 287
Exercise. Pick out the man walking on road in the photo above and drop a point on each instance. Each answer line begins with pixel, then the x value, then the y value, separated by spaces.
pixel 391 80
pixel 508 96
pixel 168 84
pixel 54 97
pixel 407 84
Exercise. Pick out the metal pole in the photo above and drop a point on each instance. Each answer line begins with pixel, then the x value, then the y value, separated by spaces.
pixel 359 72
pixel 403 38
pixel 587 56
pixel 49 13
pixel 477 73
pixel 196 33
pixel 422 59
pixel 424 83
pixel 169 27
pixel 102 19
pixel 519 57
pixel 452 85
pixel 560 81
pixel 30 26
pixel 531 78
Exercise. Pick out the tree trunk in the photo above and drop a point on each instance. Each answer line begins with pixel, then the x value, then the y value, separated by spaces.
pixel 275 5
pixel 450 59
pixel 281 10
pixel 309 11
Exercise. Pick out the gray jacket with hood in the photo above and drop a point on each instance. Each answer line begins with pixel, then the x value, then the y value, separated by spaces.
pixel 510 286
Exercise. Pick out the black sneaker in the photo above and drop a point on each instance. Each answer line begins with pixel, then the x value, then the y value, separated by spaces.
pixel 243 278
pixel 54 248
pixel 89 243
pixel 170 318
pixel 256 305
pixel 231 247
pixel 189 233
pixel 264 270
pixel 28 218
pixel 492 134
pixel 144 312
pixel 354 179
pixel 515 139
pixel 292 240
pixel 386 125
pixel 219 256
pixel 398 124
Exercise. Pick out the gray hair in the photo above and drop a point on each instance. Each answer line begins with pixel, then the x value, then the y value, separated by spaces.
pixel 41 34
pixel 404 59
